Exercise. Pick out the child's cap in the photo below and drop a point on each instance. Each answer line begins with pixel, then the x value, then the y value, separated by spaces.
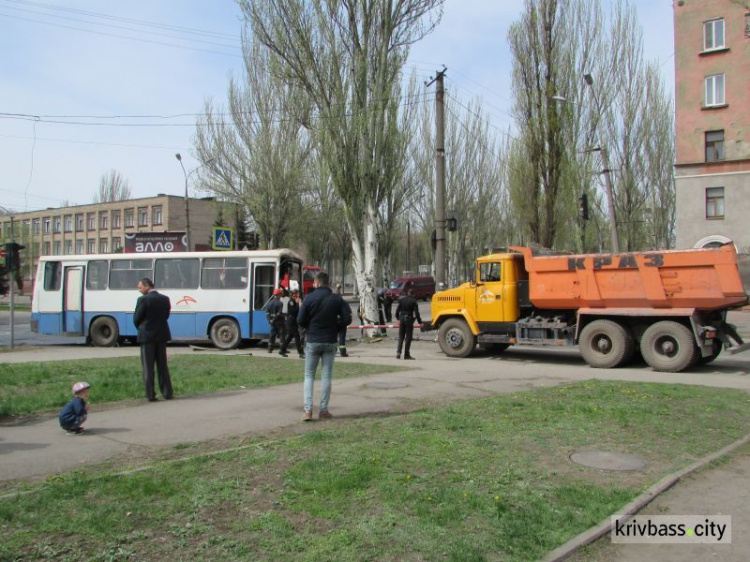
pixel 79 386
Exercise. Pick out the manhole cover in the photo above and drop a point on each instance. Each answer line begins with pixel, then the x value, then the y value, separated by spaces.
pixel 387 385
pixel 607 460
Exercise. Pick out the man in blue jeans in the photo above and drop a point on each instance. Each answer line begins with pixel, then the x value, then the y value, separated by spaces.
pixel 322 314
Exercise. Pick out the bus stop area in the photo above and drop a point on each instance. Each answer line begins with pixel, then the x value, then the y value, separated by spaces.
pixel 34 448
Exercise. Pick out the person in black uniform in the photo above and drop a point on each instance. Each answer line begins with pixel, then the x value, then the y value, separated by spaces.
pixel 276 318
pixel 292 329
pixel 150 317
pixel 406 311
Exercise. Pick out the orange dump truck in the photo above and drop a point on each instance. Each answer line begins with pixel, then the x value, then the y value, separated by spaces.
pixel 670 305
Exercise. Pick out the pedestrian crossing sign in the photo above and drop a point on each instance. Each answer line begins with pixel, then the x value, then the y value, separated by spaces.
pixel 223 238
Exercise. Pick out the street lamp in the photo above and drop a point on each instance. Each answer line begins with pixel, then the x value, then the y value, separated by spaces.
pixel 607 172
pixel 187 201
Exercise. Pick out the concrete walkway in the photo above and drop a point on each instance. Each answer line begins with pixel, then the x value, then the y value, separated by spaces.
pixel 37 447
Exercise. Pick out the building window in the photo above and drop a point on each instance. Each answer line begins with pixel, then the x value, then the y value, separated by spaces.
pixel 713 35
pixel 714 146
pixel 116 244
pixel 91 217
pixel 129 218
pixel 35 226
pixel 91 246
pixel 79 246
pixel 115 219
pixel 156 215
pixel 58 224
pixel 58 247
pixel 68 223
pixel 103 246
pixel 47 225
pixel 68 247
pixel 715 90
pixel 103 220
pixel 47 248
pixel 142 216
pixel 715 203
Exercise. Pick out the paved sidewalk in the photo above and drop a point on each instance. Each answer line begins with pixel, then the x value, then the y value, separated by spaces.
pixel 37 447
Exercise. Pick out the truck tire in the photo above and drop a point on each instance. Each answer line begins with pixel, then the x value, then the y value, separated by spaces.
pixel 104 332
pixel 669 347
pixel 455 338
pixel 605 344
pixel 225 333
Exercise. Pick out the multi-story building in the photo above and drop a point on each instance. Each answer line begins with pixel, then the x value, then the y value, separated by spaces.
pixel 100 228
pixel 712 103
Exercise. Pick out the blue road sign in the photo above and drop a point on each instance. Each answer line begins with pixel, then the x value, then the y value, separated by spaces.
pixel 223 238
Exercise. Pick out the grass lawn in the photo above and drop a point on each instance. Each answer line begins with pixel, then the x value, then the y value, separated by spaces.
pixel 478 480
pixel 31 387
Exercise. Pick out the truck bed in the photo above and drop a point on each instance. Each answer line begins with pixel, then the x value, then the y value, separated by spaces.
pixel 706 279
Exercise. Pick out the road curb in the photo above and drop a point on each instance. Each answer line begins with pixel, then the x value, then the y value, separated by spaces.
pixel 605 526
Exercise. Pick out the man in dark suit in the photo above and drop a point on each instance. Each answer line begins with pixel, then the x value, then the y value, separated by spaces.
pixel 150 317
pixel 406 312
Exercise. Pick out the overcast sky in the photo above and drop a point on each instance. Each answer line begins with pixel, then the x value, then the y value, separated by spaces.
pixel 69 60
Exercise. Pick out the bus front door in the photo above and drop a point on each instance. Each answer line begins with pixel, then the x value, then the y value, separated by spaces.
pixel 73 301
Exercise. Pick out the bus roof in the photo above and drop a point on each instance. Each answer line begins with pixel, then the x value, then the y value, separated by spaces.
pixel 259 254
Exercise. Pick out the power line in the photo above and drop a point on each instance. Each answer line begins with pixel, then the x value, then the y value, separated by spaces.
pixel 118 145
pixel 150 41
pixel 126 28
pixel 144 23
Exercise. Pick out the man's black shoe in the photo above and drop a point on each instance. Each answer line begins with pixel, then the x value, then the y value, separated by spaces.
pixel 408 357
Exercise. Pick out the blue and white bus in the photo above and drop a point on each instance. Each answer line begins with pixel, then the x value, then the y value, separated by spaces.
pixel 219 295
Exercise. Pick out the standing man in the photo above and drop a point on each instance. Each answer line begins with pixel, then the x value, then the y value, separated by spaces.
pixel 292 330
pixel 322 314
pixel 276 318
pixel 406 311
pixel 150 317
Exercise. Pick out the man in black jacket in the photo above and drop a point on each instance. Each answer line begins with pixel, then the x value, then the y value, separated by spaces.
pixel 150 317
pixel 322 314
pixel 406 312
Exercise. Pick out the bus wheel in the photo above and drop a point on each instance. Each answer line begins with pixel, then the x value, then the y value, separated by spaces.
pixel 225 333
pixel 605 344
pixel 668 346
pixel 455 338
pixel 104 332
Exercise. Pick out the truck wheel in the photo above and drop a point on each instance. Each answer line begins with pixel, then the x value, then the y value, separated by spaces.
pixel 455 338
pixel 225 333
pixel 104 332
pixel 668 346
pixel 605 344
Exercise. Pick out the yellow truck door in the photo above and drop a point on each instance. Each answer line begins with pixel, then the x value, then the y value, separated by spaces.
pixel 489 293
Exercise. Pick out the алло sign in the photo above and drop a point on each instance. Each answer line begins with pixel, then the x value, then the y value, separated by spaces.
pixel 146 242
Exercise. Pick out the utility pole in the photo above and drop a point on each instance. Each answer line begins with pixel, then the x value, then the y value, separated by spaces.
pixel 439 178
pixel 408 244
pixel 607 171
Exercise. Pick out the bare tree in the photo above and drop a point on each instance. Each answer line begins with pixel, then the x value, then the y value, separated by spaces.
pixel 348 58
pixel 256 154
pixel 112 187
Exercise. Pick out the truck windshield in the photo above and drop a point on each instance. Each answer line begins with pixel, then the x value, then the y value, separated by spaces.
pixel 395 285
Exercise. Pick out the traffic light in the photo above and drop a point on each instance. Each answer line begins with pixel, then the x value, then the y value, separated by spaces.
pixel 12 256
pixel 583 207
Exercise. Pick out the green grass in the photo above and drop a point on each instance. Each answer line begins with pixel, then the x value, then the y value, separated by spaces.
pixel 16 307
pixel 478 480
pixel 31 387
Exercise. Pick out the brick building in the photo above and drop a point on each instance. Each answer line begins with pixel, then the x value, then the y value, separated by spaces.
pixel 712 83
pixel 100 228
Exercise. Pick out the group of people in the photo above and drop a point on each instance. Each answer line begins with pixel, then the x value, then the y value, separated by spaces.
pixel 317 325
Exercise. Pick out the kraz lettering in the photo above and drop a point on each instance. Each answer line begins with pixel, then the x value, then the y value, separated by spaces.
pixel 627 262
pixel 601 261
pixel 655 260
pixel 575 263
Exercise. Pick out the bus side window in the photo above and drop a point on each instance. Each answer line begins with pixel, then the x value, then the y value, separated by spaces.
pixel 264 285
pixel 97 275
pixel 52 275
